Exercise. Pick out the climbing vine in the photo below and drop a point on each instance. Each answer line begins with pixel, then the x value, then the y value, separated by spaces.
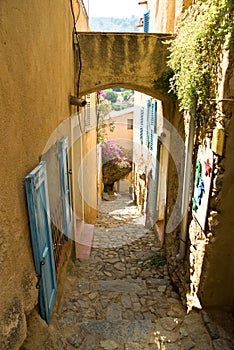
pixel 196 54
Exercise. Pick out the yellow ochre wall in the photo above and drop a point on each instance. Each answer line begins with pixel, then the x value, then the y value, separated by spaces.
pixel 37 76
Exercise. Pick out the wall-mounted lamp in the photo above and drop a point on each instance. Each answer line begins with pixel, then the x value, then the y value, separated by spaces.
pixel 80 102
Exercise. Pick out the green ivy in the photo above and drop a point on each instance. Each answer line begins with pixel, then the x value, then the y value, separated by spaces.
pixel 196 55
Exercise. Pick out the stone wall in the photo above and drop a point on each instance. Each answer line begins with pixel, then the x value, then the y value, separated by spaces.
pixel 217 284
pixel 205 277
pixel 132 60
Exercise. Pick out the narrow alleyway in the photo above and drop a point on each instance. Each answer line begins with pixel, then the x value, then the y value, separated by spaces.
pixel 122 298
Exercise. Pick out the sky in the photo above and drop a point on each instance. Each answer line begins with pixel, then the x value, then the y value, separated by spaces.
pixel 115 8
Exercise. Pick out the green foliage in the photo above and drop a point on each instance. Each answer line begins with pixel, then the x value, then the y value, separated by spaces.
pixel 117 107
pixel 111 95
pixel 158 259
pixel 127 94
pixel 196 54
pixel 163 82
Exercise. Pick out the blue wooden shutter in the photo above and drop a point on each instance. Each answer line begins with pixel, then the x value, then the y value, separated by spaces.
pixel 146 21
pixel 141 123
pixel 87 112
pixel 153 123
pixel 154 111
pixel 147 122
pixel 65 186
pixel 39 218
pixel 157 169
pixel 151 143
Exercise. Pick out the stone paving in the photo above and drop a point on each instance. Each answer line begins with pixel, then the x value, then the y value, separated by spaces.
pixel 121 297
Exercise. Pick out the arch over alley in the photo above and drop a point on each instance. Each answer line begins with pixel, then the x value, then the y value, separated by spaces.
pixel 132 60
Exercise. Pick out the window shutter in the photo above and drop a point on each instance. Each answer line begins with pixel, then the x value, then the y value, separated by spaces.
pixel 146 22
pixel 153 124
pixel 141 123
pixel 154 111
pixel 88 122
pixel 151 144
pixel 65 186
pixel 147 122
pixel 40 225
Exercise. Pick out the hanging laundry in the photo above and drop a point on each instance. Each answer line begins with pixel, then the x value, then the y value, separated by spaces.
pixel 200 190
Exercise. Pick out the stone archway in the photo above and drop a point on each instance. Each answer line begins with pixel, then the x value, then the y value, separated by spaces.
pixel 133 60
pixel 138 61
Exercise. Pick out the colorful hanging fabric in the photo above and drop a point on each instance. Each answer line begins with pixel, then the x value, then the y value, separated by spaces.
pixel 207 167
pixel 194 204
pixel 200 190
pixel 198 172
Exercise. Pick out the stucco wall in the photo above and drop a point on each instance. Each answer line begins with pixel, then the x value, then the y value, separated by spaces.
pixel 84 170
pixel 90 176
pixel 36 79
pixel 164 14
pixel 121 133
pixel 120 122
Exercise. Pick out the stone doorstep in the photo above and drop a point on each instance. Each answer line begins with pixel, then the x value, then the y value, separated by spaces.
pixel 83 240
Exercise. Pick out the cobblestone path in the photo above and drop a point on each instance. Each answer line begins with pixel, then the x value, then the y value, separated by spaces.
pixel 121 297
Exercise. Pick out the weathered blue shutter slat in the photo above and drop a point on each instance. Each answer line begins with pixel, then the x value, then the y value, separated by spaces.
pixel 141 123
pixel 157 169
pixel 146 21
pixel 151 145
pixel 39 219
pixel 153 123
pixel 147 122
pixel 155 115
pixel 65 186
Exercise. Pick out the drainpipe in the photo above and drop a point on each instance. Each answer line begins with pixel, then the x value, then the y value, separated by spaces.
pixel 186 187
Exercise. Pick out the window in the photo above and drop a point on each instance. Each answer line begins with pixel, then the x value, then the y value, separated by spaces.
pixel 129 123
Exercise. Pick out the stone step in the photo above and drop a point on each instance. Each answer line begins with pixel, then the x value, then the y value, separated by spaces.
pixel 83 239
pixel 120 330
pixel 120 285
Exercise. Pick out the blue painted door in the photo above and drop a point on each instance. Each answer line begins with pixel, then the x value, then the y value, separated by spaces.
pixel 65 186
pixel 39 218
